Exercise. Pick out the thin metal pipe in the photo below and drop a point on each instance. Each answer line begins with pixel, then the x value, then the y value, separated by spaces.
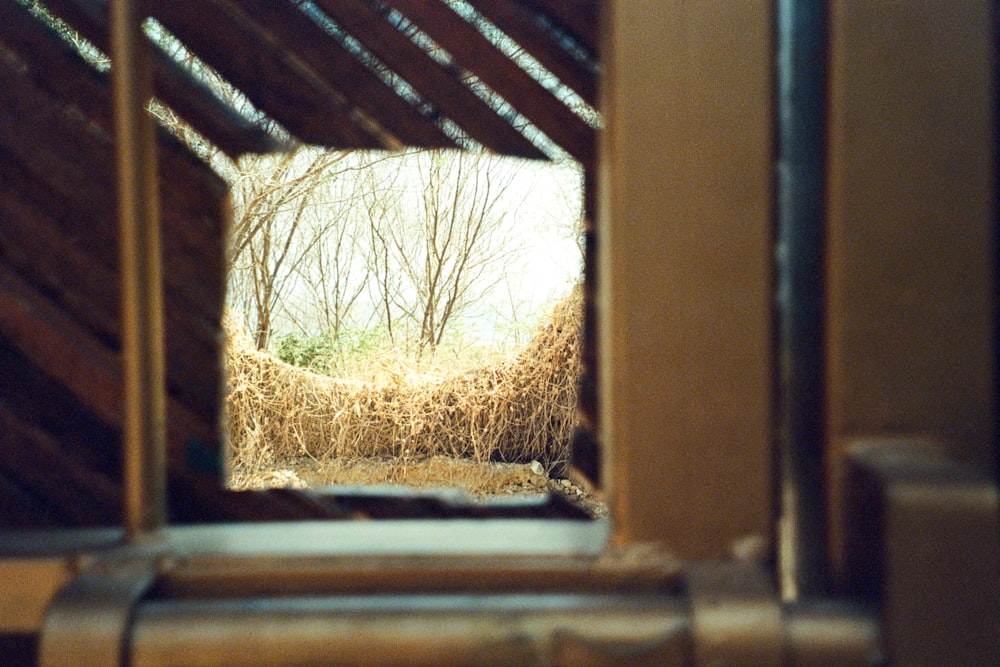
pixel 800 247
pixel 144 430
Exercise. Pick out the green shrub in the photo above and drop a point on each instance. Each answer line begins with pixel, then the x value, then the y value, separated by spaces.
pixel 313 352
pixel 331 353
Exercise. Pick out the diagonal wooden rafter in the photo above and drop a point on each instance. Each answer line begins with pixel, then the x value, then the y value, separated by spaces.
pixel 335 68
pixel 264 71
pixel 476 53
pixel 91 372
pixel 58 208
pixel 436 83
pixel 579 18
pixel 68 167
pixel 522 24
pixel 39 462
pixel 202 108
pixel 285 59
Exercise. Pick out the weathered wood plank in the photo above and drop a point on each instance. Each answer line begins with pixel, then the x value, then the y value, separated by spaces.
pixel 477 54
pixel 202 108
pixel 437 84
pixel 520 23
pixel 51 340
pixel 326 60
pixel 62 77
pixel 52 150
pixel 579 18
pixel 265 71
pixel 79 495
pixel 65 164
pixel 88 292
pixel 32 245
pixel 53 408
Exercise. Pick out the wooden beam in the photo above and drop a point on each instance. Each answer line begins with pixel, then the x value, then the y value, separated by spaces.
pixel 438 85
pixel 334 67
pixel 579 18
pixel 521 23
pixel 472 51
pixel 266 71
pixel 685 295
pixel 193 100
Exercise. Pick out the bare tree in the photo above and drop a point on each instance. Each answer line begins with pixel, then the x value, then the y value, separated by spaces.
pixel 438 250
pixel 271 241
pixel 383 206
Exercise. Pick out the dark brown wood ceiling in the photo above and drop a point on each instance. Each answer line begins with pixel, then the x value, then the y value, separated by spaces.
pixel 331 71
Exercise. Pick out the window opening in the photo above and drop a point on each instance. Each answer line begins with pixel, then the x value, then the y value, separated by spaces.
pixel 418 309
pixel 406 318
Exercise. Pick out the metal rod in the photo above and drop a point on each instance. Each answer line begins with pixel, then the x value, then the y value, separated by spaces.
pixel 801 182
pixel 144 430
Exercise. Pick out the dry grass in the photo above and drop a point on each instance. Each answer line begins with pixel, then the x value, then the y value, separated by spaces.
pixel 520 408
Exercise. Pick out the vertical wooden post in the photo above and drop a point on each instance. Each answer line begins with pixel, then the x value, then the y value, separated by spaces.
pixel 686 231
pixel 144 433
pixel 911 230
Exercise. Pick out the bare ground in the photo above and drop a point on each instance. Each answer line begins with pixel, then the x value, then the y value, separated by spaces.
pixel 478 479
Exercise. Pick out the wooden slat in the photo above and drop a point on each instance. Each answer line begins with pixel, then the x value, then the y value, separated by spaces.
pixel 200 106
pixel 38 248
pixel 82 496
pixel 334 67
pixel 52 408
pixel 68 244
pixel 57 70
pixel 475 53
pixel 20 510
pixel 35 249
pixel 520 23
pixel 579 18
pixel 437 84
pixel 71 162
pixel 201 499
pixel 88 292
pixel 265 71
pixel 92 373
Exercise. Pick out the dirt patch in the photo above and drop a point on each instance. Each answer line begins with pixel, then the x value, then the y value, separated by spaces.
pixel 479 480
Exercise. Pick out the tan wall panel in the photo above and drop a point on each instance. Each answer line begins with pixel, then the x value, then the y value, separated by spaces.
pixel 910 245
pixel 685 271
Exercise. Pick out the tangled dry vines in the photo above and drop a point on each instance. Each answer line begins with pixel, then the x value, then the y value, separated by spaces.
pixel 517 409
